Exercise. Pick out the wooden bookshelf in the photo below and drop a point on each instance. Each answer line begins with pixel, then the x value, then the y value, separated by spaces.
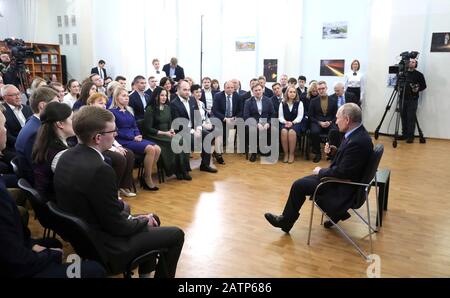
pixel 46 61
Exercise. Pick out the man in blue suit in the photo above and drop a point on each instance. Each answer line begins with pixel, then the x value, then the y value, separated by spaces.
pixel 25 140
pixel 260 108
pixel 349 162
pixel 139 99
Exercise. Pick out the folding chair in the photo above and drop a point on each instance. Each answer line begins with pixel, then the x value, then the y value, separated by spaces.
pixel 360 197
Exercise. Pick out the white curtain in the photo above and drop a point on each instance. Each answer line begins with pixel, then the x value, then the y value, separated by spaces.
pixel 29 21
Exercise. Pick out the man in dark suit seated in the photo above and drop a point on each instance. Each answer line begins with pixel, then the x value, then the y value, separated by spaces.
pixel 267 92
pixel 21 256
pixel 260 108
pixel 277 98
pixel 322 115
pixel 86 187
pixel 139 100
pixel 207 94
pixel 342 97
pixel 183 107
pixel 173 70
pixel 349 162
pixel 152 83
pixel 16 115
pixel 100 70
pixel 25 140
pixel 226 107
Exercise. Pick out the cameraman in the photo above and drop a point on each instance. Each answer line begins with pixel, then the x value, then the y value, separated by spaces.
pixel 415 83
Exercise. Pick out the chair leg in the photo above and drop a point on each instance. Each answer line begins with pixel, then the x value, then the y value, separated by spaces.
pixel 310 221
pixel 368 219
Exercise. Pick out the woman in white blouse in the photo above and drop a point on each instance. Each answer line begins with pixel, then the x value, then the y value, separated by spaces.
pixel 290 114
pixel 354 81
pixel 73 92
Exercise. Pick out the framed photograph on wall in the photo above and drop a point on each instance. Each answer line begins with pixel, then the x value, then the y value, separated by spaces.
pixel 440 42
pixel 245 44
pixel 332 67
pixel 335 30
pixel 271 70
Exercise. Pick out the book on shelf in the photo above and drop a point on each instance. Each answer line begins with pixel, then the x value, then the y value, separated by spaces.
pixel 54 59
pixel 44 58
pixel 37 59
pixel 43 48
pixel 53 50
pixel 54 68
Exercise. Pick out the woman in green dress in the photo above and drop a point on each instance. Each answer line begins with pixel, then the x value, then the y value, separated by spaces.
pixel 157 128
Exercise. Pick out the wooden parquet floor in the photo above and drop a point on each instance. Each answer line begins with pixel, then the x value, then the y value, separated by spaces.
pixel 227 235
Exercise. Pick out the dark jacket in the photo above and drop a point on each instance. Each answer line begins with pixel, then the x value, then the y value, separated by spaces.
pixel 136 104
pixel 251 109
pixel 349 162
pixel 179 72
pixel 316 114
pixel 348 96
pixel 12 124
pixel 220 105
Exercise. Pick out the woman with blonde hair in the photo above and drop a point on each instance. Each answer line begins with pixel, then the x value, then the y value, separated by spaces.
pixel 129 136
pixel 290 114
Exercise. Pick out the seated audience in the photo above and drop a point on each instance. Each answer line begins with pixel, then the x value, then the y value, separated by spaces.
pixel 110 91
pixel 168 85
pixel 129 136
pixel 122 160
pixel 215 86
pixel 158 128
pixel 260 108
pixel 185 108
pixel 56 128
pixel 207 94
pixel 23 257
pixel 86 187
pixel 59 88
pixel 266 91
pixel 27 136
pixel 277 97
pixel 87 89
pixel 73 92
pixel 139 99
pixel 290 115
pixel 152 84
pixel 322 114
pixel 173 70
pixel 301 85
pixel 351 158
pixel 122 80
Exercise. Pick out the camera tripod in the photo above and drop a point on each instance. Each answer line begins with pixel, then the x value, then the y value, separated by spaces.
pixel 395 97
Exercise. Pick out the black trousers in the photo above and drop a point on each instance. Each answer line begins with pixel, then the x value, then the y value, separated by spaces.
pixel 89 269
pixel 299 190
pixel 170 238
pixel 123 166
pixel 408 114
pixel 316 131
pixel 206 157
pixel 264 135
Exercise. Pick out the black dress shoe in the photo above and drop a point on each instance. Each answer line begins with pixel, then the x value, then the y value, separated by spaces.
pixel 278 221
pixel 187 177
pixel 179 176
pixel 253 157
pixel 401 138
pixel 328 224
pixel 145 186
pixel 208 169
pixel 317 158
pixel 219 158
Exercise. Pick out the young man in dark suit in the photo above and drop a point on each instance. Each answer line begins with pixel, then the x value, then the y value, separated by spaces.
pixel 139 100
pixel 22 256
pixel 267 92
pixel 16 114
pixel 349 162
pixel 173 70
pixel 85 186
pixel 260 108
pixel 183 107
pixel 100 69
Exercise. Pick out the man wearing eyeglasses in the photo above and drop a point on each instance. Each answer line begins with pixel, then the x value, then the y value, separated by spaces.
pixel 86 187
pixel 16 114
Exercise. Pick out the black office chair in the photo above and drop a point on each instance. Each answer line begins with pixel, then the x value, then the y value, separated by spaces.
pixel 360 197
pixel 15 166
pixel 39 206
pixel 78 233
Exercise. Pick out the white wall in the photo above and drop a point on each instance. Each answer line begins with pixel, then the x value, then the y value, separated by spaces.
pixel 407 26
pixel 10 23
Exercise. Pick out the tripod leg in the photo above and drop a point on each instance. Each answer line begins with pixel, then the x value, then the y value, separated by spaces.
pixel 388 107
pixel 421 137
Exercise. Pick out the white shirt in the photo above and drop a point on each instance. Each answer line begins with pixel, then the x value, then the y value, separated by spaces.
pixel 209 99
pixel 259 105
pixel 19 115
pixel 142 95
pixel 297 119
pixel 158 76
pixel 69 100
pixel 357 81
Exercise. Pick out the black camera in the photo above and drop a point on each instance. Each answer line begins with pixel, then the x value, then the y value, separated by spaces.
pixel 19 52
pixel 401 68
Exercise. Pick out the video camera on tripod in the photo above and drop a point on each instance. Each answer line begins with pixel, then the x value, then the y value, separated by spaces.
pixel 398 95
pixel 16 73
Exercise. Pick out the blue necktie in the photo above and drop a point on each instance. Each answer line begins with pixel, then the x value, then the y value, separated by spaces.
pixel 228 108
pixel 341 100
